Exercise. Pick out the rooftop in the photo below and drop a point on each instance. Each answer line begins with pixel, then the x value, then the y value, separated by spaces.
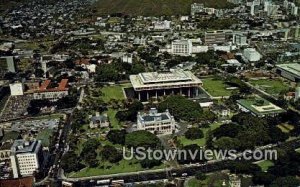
pixel 153 116
pixel 22 146
pixel 260 106
pixel 293 68
pixel 46 86
pixel 175 77
pixel 153 77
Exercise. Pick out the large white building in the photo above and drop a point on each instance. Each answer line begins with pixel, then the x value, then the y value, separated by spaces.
pixel 182 47
pixel 16 89
pixel 157 123
pixel 154 84
pixel 251 55
pixel 26 157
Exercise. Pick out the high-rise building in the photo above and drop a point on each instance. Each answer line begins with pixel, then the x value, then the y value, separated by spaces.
pixel 215 37
pixel 26 157
pixel 297 93
pixel 239 40
pixel 182 47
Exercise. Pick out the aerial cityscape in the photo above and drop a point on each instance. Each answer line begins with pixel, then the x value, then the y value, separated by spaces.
pixel 150 93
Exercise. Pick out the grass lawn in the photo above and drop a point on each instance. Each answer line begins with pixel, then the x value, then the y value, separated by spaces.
pixel 111 113
pixel 44 136
pixel 51 116
pixel 213 180
pixel 273 87
pixel 123 166
pixel 264 165
pixel 196 183
pixel 113 92
pixel 12 135
pixel 286 128
pixel 215 87
pixel 201 142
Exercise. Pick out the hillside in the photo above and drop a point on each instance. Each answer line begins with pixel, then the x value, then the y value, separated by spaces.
pixel 154 7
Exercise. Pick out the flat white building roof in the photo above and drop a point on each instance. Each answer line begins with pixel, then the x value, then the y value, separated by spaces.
pixel 172 79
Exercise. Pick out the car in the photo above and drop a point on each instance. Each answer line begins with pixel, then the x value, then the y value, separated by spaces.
pixel 184 174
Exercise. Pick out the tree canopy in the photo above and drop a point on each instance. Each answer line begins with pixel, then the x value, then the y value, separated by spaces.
pixel 142 139
pixel 182 108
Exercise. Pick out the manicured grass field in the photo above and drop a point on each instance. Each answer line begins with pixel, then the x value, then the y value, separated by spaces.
pixel 123 166
pixel 264 165
pixel 44 136
pixel 215 87
pixel 113 92
pixel 273 87
pixel 213 180
pixel 196 183
pixel 111 113
pixel 201 142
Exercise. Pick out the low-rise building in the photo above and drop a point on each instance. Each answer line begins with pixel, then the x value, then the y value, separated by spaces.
pixel 47 91
pixel 251 55
pixel 289 71
pixel 197 8
pixel 157 123
pixel 99 121
pixel 5 151
pixel 259 107
pixel 154 84
pixel 162 25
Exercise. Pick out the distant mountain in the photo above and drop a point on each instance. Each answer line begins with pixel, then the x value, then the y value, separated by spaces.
pixel 154 7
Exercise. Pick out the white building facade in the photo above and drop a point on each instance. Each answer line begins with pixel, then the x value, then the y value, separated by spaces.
pixel 156 123
pixel 182 47
pixel 25 157
pixel 251 55
pixel 16 89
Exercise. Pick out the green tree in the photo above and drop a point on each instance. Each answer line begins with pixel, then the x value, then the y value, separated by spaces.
pixel 142 139
pixel 200 176
pixel 111 154
pixel 182 108
pixel 117 136
pixel 227 143
pixel 194 133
